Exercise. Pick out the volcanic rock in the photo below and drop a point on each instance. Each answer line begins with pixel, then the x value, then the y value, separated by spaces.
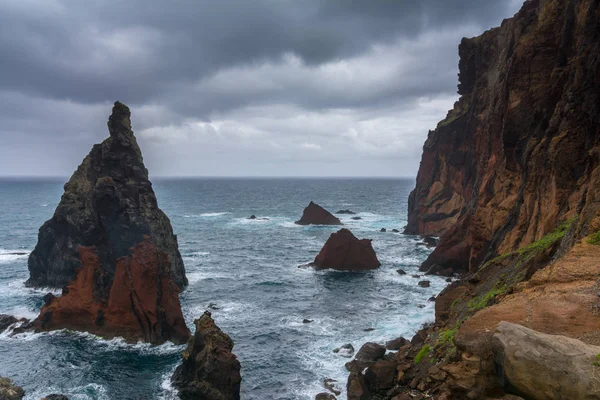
pixel 544 367
pixel 346 350
pixel 518 154
pixel 107 204
pixel 346 212
pixel 209 369
pixel 314 214
pixel 6 321
pixel 424 284
pixel 396 344
pixel 142 302
pixel 10 391
pixel 343 251
pixel 356 218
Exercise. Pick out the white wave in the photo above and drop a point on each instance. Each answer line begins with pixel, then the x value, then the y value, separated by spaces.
pixel 8 256
pixel 206 215
pixel 289 224
pixel 168 392
pixel 76 393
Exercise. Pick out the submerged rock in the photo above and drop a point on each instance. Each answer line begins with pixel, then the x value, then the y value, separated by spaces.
pixel 107 204
pixel 346 350
pixel 346 212
pixel 6 321
pixel 56 397
pixel 10 391
pixel 424 284
pixel 209 369
pixel 142 301
pixel 343 251
pixel 383 230
pixel 314 214
pixel 356 218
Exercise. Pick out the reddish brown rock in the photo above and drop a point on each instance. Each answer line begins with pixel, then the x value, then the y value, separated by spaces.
pixel 344 252
pixel 314 214
pixel 209 369
pixel 142 303
pixel 519 153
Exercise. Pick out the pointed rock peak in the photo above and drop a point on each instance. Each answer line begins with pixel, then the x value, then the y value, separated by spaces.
pixel 120 119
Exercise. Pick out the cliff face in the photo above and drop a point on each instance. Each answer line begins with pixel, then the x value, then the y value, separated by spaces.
pixel 519 153
pixel 108 204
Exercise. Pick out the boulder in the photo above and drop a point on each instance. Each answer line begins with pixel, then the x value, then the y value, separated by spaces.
pixel 325 396
pixel 346 212
pixel 356 218
pixel 141 303
pixel 538 366
pixel 6 321
pixel 209 369
pixel 314 214
pixel 252 216
pixel 395 231
pixel 344 252
pixel 56 397
pixel 370 352
pixel 346 350
pixel 383 230
pixel 329 384
pixel 396 344
pixel 109 204
pixel 10 391
pixel 401 272
pixel 307 321
pixel 424 284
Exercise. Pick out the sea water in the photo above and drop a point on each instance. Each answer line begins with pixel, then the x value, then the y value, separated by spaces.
pixel 248 270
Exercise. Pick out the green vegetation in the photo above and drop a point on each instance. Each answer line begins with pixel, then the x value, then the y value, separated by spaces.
pixel 447 336
pixel 594 239
pixel 597 362
pixel 454 303
pixel 422 353
pixel 528 252
pixel 481 302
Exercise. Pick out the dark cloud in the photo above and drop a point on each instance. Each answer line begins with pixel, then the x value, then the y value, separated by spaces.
pixel 182 62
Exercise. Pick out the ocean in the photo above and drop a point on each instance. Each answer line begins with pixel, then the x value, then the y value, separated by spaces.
pixel 246 271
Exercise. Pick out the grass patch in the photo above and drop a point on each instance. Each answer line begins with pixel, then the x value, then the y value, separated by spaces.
pixel 422 353
pixel 481 302
pixel 447 336
pixel 594 239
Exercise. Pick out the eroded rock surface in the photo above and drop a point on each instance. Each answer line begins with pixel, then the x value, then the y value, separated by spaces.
pixel 108 204
pixel 344 251
pixel 209 369
pixel 314 214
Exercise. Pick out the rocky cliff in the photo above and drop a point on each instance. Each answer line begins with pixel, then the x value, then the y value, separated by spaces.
pixel 209 369
pixel 510 180
pixel 519 152
pixel 107 204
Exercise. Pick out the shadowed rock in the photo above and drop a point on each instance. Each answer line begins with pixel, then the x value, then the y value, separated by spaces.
pixel 10 391
pixel 209 369
pixel 343 251
pixel 314 214
pixel 108 204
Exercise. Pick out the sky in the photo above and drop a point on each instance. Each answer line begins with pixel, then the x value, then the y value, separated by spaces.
pixel 233 87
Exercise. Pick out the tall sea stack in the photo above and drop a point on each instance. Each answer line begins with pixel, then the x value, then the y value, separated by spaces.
pixel 111 248
pixel 108 204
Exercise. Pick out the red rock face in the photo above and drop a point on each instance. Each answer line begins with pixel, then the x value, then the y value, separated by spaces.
pixel 314 214
pixel 519 153
pixel 142 304
pixel 343 251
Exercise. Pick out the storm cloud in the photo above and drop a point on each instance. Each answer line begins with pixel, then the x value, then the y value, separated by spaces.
pixel 237 87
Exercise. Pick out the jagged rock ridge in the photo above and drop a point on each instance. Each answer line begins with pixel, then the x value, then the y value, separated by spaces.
pixel 209 369
pixel 109 204
pixel 519 152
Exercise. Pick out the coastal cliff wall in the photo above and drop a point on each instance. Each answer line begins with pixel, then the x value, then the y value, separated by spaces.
pixel 519 152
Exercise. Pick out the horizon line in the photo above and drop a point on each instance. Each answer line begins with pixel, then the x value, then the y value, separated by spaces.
pixel 225 177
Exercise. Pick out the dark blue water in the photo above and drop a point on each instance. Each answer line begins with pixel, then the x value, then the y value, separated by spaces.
pixel 248 268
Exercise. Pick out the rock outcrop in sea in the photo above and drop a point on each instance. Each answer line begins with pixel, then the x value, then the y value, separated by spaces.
pixel 345 252
pixel 114 248
pixel 314 214
pixel 209 369
pixel 10 391
pixel 107 204
pixel 510 181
